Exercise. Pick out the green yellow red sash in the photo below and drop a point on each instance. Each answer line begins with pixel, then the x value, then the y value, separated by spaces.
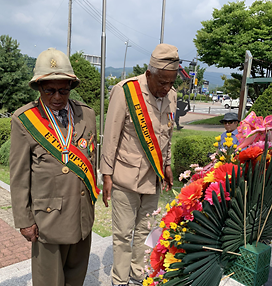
pixel 38 128
pixel 143 125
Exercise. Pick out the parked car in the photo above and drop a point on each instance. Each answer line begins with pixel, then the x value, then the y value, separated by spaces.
pixel 234 103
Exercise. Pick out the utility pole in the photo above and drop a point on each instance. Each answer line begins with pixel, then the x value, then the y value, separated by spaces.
pixel 102 85
pixel 69 29
pixel 124 68
pixel 195 74
pixel 162 21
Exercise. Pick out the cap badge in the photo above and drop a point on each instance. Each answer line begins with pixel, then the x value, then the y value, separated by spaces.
pixel 53 63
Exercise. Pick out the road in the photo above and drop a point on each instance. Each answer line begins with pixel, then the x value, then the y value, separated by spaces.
pixel 210 108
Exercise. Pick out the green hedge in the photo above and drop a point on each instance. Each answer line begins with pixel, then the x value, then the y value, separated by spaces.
pixel 199 97
pixel 4 153
pixel 4 130
pixel 263 105
pixel 192 150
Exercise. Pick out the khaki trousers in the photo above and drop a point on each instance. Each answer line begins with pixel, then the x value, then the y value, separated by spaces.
pixel 129 210
pixel 60 265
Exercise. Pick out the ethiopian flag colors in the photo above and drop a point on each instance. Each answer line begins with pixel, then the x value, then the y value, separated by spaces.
pixel 143 125
pixel 38 128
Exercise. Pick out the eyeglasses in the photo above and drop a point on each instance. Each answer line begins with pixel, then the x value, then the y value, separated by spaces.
pixel 229 122
pixel 52 91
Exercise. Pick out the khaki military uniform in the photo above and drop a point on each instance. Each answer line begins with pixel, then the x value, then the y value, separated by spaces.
pixel 53 197
pixel 135 185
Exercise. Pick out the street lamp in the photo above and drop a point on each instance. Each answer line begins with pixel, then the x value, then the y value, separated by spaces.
pixel 124 69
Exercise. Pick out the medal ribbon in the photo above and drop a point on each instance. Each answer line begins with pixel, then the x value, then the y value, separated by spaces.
pixel 64 142
pixel 37 126
pixel 143 126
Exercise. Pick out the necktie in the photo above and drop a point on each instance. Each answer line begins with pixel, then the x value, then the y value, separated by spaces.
pixel 63 114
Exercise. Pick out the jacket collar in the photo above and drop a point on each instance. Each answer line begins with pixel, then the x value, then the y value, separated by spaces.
pixel 149 97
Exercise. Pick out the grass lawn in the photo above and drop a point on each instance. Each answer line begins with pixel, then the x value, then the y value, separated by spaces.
pixel 4 174
pixel 209 121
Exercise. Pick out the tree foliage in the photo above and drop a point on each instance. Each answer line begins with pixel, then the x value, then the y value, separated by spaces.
pixel 14 76
pixel 89 88
pixel 137 70
pixel 232 86
pixel 233 29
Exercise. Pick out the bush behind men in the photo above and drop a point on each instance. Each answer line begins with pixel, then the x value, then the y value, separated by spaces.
pixel 52 161
pixel 136 156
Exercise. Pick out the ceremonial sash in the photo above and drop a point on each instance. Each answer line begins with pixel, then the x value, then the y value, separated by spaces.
pixel 38 128
pixel 143 126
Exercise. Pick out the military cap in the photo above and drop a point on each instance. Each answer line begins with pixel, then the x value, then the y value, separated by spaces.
pixel 165 57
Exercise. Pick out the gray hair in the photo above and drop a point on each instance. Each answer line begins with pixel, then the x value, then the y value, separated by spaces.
pixel 152 69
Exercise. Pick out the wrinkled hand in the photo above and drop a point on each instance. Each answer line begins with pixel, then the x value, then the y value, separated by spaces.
pixel 30 233
pixel 168 179
pixel 107 185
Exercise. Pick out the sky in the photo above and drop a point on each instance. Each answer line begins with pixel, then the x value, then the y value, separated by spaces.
pixel 38 25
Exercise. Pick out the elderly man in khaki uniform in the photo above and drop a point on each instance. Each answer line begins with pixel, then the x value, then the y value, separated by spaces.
pixel 136 158
pixel 52 159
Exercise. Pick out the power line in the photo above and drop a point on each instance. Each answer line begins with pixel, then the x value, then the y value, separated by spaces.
pixel 91 10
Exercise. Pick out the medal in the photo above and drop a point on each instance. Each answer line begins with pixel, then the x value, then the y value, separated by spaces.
pixel 169 124
pixel 82 143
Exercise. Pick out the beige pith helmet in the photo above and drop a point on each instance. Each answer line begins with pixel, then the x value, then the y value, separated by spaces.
pixel 52 64
pixel 165 57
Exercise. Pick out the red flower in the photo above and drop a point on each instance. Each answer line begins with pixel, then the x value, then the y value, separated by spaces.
pixel 174 215
pixel 221 172
pixel 156 261
pixel 189 194
pixel 216 187
pixel 188 212
pixel 250 153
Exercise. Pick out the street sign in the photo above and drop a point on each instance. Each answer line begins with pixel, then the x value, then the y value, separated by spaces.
pixel 191 73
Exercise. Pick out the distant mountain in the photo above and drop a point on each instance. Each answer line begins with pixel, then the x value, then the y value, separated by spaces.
pixel 214 78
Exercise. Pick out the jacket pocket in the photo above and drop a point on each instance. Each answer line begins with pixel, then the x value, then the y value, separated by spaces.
pixel 126 171
pixel 48 205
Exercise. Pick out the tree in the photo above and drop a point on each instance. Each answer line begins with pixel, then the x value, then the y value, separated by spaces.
pixel 232 86
pixel 233 29
pixel 89 88
pixel 137 70
pixel 14 76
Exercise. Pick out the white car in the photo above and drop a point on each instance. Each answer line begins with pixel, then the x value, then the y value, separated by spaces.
pixel 234 103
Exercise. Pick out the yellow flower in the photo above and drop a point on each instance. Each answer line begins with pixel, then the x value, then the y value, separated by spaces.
pixel 162 242
pixel 164 281
pixel 215 144
pixel 209 178
pixel 145 283
pixel 222 158
pixel 240 149
pixel 149 280
pixel 235 146
pixel 173 225
pixel 160 276
pixel 166 234
pixel 169 259
pixel 184 229
pixel 217 165
pixel 218 138
pixel 166 243
pixel 162 224
pixel 167 207
pixel 182 223
pixel 178 243
pixel 229 144
pixel 229 134
pixel 173 203
pixel 177 237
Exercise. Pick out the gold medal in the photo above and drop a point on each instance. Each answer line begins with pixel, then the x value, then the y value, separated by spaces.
pixel 65 170
pixel 169 124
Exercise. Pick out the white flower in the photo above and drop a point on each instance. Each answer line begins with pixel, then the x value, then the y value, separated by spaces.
pixel 212 157
pixel 147 251
pixel 147 215
pixel 198 169
pixel 187 174
pixel 181 176
pixel 156 212
pixel 148 225
pixel 194 165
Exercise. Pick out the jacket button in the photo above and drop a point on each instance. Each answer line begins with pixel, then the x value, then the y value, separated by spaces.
pixel 48 210
pixel 82 193
pixel 65 170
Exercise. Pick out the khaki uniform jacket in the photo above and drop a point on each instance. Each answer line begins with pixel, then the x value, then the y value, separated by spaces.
pixel 41 193
pixel 122 154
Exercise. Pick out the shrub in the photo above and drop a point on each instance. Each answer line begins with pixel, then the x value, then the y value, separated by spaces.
pixel 4 153
pixel 4 130
pixel 263 105
pixel 192 150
